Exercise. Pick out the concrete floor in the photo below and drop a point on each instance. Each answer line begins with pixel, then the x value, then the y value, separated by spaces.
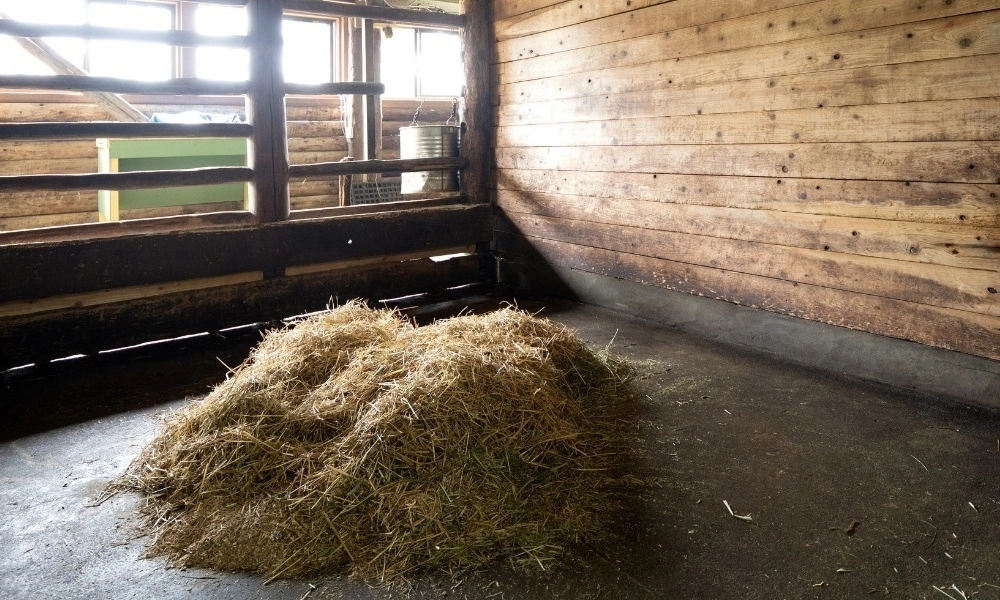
pixel 854 491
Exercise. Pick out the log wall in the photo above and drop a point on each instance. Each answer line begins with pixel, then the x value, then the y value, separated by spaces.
pixel 833 160
pixel 315 134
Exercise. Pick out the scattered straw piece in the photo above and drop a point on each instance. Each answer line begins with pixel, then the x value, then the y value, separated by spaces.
pixel 357 442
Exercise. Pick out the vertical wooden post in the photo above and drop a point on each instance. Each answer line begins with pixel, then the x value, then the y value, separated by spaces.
pixel 476 109
pixel 368 44
pixel 265 107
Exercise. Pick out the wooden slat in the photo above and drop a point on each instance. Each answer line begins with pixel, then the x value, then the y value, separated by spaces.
pixel 950 245
pixel 91 231
pixel 944 328
pixel 381 207
pixel 969 205
pixel 157 258
pixel 34 221
pixel 49 165
pixel 568 26
pixel 127 181
pixel 933 285
pixel 335 88
pixel 376 166
pixel 506 10
pixel 477 114
pixel 104 326
pixel 948 79
pixel 48 150
pixel 87 83
pixel 265 109
pixel 970 162
pixel 951 37
pixel 376 13
pixel 67 131
pixel 950 120
pixel 28 204
pixel 634 39
pixel 170 37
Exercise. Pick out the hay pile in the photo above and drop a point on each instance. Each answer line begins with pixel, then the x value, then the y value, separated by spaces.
pixel 357 442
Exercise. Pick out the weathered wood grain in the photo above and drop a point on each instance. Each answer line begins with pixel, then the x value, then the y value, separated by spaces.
pixel 969 205
pixel 934 285
pixel 951 245
pixel 636 38
pixel 91 265
pixel 69 331
pixel 944 328
pixel 969 162
pixel 948 120
pixel 965 35
pixel 947 79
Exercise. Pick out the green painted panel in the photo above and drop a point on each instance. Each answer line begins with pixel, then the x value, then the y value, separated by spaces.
pixel 177 147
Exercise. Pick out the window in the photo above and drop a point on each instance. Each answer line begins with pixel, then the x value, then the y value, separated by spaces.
pixel 130 60
pixel 421 62
pixel 310 44
pixel 17 61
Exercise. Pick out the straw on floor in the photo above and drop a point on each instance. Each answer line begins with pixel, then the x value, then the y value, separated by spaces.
pixel 356 442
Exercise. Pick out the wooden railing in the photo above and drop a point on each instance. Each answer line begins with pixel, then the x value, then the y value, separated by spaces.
pixel 268 167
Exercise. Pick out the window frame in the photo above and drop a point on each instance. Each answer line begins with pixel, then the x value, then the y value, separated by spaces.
pixel 417 75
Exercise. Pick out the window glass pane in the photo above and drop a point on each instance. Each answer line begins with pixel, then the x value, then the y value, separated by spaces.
pixel 131 60
pixel 226 64
pixel 308 51
pixel 15 60
pixel 399 62
pixel 439 64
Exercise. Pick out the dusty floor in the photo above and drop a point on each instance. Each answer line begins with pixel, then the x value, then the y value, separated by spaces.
pixel 851 491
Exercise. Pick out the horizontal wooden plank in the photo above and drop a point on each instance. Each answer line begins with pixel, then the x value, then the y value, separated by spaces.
pixel 948 120
pixel 933 285
pixel 16 151
pixel 41 166
pixel 505 9
pixel 952 37
pixel 86 83
pixel 951 245
pixel 55 334
pixel 948 79
pixel 84 265
pixel 357 167
pixel 637 39
pixel 170 37
pixel 970 162
pixel 136 227
pixel 944 328
pixel 127 181
pixel 72 130
pixel 378 13
pixel 313 202
pixel 187 209
pixel 409 202
pixel 570 27
pixel 32 221
pixel 19 204
pixel 23 112
pixel 970 205
pixel 335 88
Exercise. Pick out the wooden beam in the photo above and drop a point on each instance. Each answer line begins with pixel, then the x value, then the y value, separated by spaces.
pixel 335 88
pixel 368 64
pixel 84 265
pixel 170 37
pixel 127 181
pixel 86 83
pixel 116 106
pixel 45 336
pixel 116 229
pixel 74 131
pixel 477 112
pixel 265 109
pixel 377 13
pixel 364 209
pixel 358 167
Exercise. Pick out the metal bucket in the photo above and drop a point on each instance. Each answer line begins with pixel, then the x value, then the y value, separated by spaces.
pixel 429 141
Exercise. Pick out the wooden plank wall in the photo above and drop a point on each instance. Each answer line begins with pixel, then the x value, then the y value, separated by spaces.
pixel 833 160
pixel 315 133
